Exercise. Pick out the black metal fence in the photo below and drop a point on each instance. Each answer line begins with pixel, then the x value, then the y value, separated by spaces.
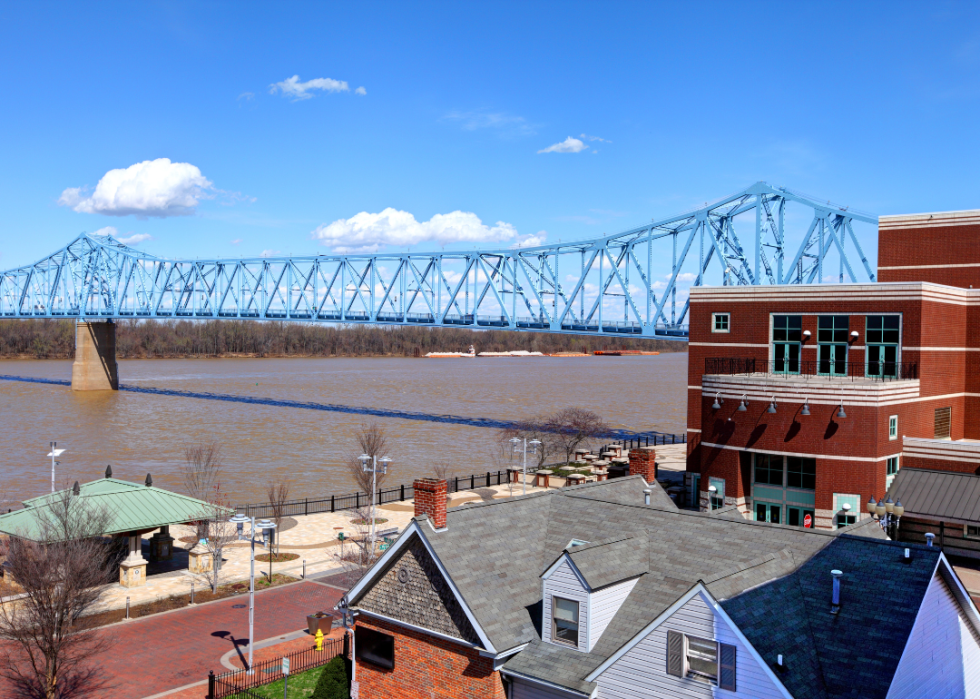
pixel 238 682
pixel 400 493
pixel 880 371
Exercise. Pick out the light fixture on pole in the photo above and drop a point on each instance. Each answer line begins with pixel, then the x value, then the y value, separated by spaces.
pixel 374 470
pixel 55 452
pixel 534 443
pixel 888 514
pixel 240 519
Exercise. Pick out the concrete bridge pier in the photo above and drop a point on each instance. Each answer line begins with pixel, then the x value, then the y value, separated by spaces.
pixel 95 357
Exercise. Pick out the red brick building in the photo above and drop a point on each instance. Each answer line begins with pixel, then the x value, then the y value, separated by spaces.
pixel 804 401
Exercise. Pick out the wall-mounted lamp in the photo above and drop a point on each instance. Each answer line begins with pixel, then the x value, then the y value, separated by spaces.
pixel 806 334
pixel 840 411
pixel 772 406
pixel 745 402
pixel 718 401
pixel 854 334
pixel 806 407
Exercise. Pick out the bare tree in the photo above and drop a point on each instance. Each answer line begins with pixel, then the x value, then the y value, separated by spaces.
pixel 372 440
pixel 200 472
pixel 569 428
pixel 63 565
pixel 278 494
pixel 215 532
pixel 355 555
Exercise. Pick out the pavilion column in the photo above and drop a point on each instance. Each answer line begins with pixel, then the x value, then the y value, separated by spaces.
pixel 132 571
pixel 162 545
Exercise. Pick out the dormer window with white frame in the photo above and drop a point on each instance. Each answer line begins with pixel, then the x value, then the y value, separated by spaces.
pixel 564 621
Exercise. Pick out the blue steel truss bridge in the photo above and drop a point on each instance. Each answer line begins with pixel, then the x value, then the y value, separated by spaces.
pixel 632 283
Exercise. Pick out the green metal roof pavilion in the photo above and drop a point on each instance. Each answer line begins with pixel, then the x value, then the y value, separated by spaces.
pixel 133 508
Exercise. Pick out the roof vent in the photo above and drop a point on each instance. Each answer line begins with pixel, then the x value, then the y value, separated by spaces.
pixel 108 471
pixel 780 665
pixel 76 490
pixel 646 496
pixel 149 481
pixel 929 537
pixel 835 605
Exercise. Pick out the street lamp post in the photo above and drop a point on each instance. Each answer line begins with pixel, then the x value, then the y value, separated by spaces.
pixel 55 452
pixel 518 449
pixel 261 525
pixel 365 459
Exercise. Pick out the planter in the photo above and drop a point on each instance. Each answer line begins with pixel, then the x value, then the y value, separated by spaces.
pixel 322 621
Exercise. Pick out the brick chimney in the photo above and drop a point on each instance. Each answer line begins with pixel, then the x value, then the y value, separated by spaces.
pixel 643 463
pixel 430 499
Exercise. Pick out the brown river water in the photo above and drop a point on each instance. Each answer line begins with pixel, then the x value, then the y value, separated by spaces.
pixel 183 401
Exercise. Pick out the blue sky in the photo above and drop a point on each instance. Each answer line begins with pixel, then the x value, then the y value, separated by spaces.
pixel 661 107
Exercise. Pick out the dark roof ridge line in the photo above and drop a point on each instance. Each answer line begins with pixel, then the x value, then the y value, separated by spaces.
pixel 735 570
pixel 602 542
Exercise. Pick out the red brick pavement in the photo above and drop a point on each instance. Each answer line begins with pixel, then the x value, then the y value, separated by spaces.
pixel 166 651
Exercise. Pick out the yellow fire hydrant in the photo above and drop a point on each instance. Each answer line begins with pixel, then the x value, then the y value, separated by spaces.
pixel 319 639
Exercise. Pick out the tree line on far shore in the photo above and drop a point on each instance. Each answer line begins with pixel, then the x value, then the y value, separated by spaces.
pixel 145 339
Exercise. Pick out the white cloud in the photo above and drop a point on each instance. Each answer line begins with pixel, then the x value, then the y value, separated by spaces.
pixel 293 88
pixel 107 230
pixel 270 253
pixel 593 138
pixel 247 96
pixel 685 277
pixel 135 239
pixel 531 241
pixel 150 188
pixel 360 91
pixel 569 145
pixel 366 232
pixel 480 119
pixel 236 241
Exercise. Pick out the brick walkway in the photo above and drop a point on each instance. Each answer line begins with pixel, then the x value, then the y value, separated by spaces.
pixel 166 651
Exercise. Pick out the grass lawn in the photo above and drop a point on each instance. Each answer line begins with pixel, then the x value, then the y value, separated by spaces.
pixel 300 687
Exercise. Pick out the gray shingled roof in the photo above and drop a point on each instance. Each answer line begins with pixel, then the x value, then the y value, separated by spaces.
pixel 773 578
pixel 606 562
pixel 938 495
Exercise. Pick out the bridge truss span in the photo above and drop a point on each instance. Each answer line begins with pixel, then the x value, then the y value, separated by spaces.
pixel 632 283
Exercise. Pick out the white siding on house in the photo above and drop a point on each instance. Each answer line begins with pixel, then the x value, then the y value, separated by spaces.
pixel 642 672
pixel 526 690
pixel 603 606
pixel 563 582
pixel 942 655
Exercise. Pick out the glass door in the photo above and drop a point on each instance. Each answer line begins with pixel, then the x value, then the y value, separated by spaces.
pixel 799 517
pixel 767 512
pixel 832 345
pixel 786 339
pixel 882 345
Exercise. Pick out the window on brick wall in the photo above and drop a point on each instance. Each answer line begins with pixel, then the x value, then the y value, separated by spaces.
pixel 891 469
pixel 720 322
pixel 787 335
pixel 881 343
pixel 801 473
pixel 942 419
pixel 971 531
pixel 893 427
pixel 832 345
pixel 374 647
pixel 769 470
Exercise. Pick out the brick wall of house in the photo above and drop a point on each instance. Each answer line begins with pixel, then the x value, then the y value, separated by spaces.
pixel 932 247
pixel 940 464
pixel 427 667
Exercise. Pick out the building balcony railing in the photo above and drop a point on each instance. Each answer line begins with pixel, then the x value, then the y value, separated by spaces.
pixel 882 371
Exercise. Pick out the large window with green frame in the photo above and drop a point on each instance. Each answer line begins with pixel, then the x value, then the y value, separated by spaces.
pixel 832 345
pixel 783 489
pixel 881 340
pixel 787 335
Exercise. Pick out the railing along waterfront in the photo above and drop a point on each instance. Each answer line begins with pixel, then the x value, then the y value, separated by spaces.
pixel 238 683
pixel 399 493
pixel 789 368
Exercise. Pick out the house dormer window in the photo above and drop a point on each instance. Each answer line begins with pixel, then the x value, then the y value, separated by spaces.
pixel 564 621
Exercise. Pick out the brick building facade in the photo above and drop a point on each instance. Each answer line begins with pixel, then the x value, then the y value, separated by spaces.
pixel 804 401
